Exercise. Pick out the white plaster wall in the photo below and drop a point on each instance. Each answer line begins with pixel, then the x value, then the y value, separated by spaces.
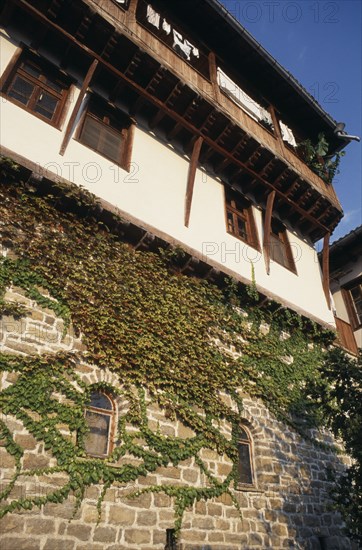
pixel 154 192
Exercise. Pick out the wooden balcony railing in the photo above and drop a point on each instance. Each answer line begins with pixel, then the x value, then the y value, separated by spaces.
pixel 346 337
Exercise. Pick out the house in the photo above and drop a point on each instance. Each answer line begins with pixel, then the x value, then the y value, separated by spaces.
pixel 345 282
pixel 123 424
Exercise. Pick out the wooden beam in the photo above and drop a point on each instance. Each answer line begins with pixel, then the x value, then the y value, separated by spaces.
pixel 267 229
pixel 213 76
pixel 191 177
pixel 168 111
pixel 78 103
pixel 325 269
pixel 277 130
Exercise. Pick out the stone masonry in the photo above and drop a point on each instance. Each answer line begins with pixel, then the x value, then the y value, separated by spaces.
pixel 288 508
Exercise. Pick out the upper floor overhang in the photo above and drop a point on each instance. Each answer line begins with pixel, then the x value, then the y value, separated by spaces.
pixel 144 77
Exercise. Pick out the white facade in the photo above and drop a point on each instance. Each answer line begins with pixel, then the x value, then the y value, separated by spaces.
pixel 154 191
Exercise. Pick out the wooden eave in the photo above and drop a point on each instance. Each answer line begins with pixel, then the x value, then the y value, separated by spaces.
pixel 156 97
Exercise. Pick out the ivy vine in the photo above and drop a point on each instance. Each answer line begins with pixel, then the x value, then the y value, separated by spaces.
pixel 178 341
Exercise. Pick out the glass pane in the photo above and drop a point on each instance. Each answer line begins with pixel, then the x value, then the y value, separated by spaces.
pixel 356 293
pixel 46 105
pixel 21 90
pixel 96 442
pixel 54 85
pixel 242 228
pixel 100 401
pixel 243 436
pixel 230 222
pixel 30 69
pixel 244 466
pixel 100 137
pixel 277 251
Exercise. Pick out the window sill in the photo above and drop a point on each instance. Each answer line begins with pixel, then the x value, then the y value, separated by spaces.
pixel 240 488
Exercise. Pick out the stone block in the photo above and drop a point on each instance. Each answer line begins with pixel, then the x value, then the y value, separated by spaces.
pixel 214 509
pixel 80 531
pixel 203 523
pixel 162 501
pixel 11 523
pixel 6 460
pixel 137 536
pixel 58 544
pixel 32 461
pixel 170 472
pixel 21 543
pixel 89 513
pixel 105 534
pixel 121 516
pixel 142 501
pixel 27 442
pixel 192 535
pixel 146 518
pixel 64 510
pixel 39 526
pixel 190 475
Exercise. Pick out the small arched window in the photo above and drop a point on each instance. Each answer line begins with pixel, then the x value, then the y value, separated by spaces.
pixel 99 417
pixel 245 465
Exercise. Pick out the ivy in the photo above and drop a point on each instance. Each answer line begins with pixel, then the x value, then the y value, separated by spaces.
pixel 172 340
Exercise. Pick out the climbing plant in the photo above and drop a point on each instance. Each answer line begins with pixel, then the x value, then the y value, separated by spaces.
pixel 173 340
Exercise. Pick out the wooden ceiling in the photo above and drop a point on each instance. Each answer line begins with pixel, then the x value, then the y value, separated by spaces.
pixel 73 34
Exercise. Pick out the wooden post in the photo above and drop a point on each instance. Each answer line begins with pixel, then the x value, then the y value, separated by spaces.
pixel 325 269
pixel 77 106
pixel 191 178
pixel 213 76
pixel 267 229
pixel 277 129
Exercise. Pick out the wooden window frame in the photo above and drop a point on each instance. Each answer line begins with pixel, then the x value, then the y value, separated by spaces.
pixel 106 412
pixel 239 485
pixel 349 303
pixel 47 71
pixel 279 233
pixel 241 209
pixel 126 133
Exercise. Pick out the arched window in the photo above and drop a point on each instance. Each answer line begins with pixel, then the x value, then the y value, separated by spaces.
pixel 245 465
pixel 99 417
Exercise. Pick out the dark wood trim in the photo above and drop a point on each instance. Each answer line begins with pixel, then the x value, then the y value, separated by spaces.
pixel 11 65
pixel 242 211
pixel 128 147
pixel 267 230
pixel 73 117
pixel 191 177
pixel 277 130
pixel 348 302
pixel 158 103
pixel 346 336
pixel 325 269
pixel 213 76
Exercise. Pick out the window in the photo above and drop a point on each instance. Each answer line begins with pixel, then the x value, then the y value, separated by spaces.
pixel 38 87
pixel 280 250
pixel 352 295
pixel 245 466
pixel 107 131
pixel 99 417
pixel 240 219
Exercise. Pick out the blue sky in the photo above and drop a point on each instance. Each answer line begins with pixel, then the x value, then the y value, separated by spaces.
pixel 319 42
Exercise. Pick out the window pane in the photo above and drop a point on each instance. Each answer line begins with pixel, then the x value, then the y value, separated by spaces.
pixel 30 69
pixel 243 436
pixel 100 401
pixel 242 228
pixel 277 251
pixel 244 465
pixel 46 105
pixel 356 293
pixel 96 442
pixel 21 90
pixel 98 136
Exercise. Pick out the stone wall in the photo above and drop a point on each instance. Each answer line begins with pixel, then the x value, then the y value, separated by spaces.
pixel 287 508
